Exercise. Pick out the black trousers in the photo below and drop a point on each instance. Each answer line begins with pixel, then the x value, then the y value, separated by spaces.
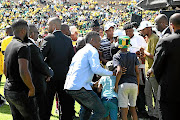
pixel 163 109
pixel 22 106
pixel 65 100
pixel 140 103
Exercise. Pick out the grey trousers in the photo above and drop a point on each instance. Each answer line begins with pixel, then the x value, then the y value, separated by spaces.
pixel 151 88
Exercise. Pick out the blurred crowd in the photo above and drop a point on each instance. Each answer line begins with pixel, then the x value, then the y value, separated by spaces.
pixel 78 14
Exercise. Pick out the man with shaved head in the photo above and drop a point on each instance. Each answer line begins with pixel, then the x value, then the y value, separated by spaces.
pixel 58 52
pixel 161 22
pixel 40 71
pixel 65 29
pixel 166 69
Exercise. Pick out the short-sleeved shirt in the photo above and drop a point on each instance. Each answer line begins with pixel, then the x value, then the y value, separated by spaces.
pixel 151 45
pixel 105 48
pixel 128 60
pixel 14 51
pixel 108 83
pixel 137 42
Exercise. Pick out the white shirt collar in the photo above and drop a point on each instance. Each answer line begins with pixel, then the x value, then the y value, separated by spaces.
pixel 164 31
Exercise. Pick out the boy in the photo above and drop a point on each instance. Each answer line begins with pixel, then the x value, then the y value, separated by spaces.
pixel 126 84
pixel 108 95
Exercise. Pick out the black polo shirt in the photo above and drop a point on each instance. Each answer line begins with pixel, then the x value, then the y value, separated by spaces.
pixel 14 51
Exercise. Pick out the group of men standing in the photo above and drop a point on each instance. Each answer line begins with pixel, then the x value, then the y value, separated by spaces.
pixel 33 76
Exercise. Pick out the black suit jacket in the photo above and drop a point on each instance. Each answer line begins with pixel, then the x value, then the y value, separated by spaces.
pixel 39 69
pixel 166 67
pixel 58 52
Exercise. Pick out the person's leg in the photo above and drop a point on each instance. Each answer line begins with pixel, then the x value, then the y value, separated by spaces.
pixel 22 106
pixel 85 113
pixel 154 84
pixel 166 112
pixel 51 89
pixel 123 92
pixel 41 102
pixel 15 113
pixel 133 113
pixel 113 108
pixel 132 100
pixel 90 100
pixel 124 112
pixel 106 104
pixel 148 96
pixel 67 106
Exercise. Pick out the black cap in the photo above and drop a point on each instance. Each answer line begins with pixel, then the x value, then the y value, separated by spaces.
pixel 95 23
pixel 127 26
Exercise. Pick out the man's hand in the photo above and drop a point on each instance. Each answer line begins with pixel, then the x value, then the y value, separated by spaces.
pixel 48 79
pixel 149 72
pixel 31 92
pixel 124 69
pixel 116 88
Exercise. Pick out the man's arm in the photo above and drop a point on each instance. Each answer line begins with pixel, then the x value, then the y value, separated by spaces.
pixel 25 75
pixel 5 70
pixel 38 62
pixel 95 65
pixel 137 75
pixel 118 77
pixel 159 58
pixel 46 47
pixel 149 55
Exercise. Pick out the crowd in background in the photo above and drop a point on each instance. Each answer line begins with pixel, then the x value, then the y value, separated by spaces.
pixel 68 44
pixel 78 14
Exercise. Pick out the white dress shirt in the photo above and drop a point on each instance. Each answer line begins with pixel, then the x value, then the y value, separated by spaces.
pixel 84 65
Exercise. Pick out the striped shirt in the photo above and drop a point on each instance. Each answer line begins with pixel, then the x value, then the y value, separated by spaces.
pixel 105 49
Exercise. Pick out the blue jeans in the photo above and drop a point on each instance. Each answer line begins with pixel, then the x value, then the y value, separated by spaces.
pixel 90 102
pixel 22 106
pixel 111 106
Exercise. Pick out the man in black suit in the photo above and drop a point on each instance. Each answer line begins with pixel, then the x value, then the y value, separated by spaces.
pixel 161 22
pixel 58 52
pixel 166 69
pixel 40 71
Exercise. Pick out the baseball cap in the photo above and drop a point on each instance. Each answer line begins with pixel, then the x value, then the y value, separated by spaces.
pixel 110 66
pixel 73 29
pixel 144 24
pixel 95 23
pixel 108 25
pixel 117 33
pixel 124 41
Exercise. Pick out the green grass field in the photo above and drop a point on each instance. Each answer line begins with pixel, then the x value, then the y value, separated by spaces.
pixel 5 113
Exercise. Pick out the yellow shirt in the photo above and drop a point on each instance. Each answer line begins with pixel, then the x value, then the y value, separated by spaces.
pixel 151 45
pixel 1 62
pixel 4 44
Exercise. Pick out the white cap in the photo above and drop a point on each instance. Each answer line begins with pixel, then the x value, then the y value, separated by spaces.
pixel 73 29
pixel 108 25
pixel 144 24
pixel 118 33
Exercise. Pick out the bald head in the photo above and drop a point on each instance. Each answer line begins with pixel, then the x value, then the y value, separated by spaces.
pixel 175 22
pixel 54 23
pixel 65 29
pixel 161 22
pixel 33 32
pixel 175 19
